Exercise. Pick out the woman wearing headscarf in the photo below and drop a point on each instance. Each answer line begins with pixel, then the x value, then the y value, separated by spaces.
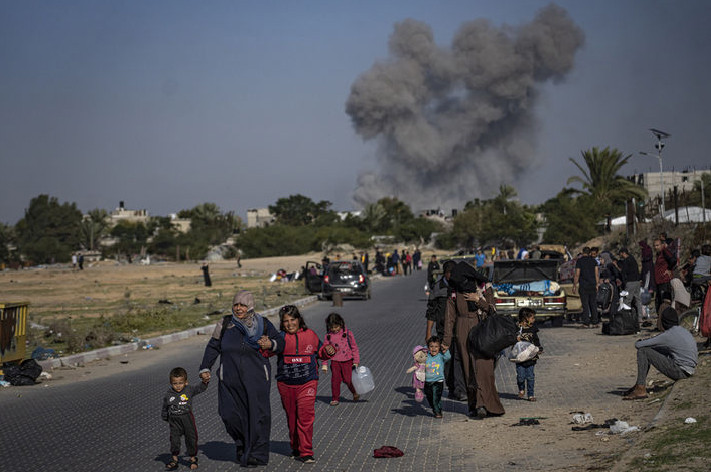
pixel 466 307
pixel 244 377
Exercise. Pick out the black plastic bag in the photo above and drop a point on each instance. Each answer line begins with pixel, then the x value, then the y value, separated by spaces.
pixel 465 278
pixel 24 374
pixel 624 322
pixel 491 335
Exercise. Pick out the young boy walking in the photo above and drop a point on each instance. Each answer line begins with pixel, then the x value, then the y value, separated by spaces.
pixel 434 374
pixel 178 412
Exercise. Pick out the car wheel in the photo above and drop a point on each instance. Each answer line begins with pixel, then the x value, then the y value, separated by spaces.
pixel 557 321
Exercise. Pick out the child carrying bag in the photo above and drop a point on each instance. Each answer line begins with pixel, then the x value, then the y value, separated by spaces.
pixel 523 351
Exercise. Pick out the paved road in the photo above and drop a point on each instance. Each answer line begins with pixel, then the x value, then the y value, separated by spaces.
pixel 113 424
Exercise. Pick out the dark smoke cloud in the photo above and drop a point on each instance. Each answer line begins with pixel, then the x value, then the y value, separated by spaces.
pixel 453 124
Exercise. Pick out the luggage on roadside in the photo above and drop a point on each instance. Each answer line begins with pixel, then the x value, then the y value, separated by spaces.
pixel 492 335
pixel 621 323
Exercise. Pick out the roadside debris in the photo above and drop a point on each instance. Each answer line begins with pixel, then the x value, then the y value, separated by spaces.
pixel 622 427
pixel 42 354
pixel 690 420
pixel 527 422
pixel 582 418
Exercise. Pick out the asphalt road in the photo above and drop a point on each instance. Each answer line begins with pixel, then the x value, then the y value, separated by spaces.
pixel 113 423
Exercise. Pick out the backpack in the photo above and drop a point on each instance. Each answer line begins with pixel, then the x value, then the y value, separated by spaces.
pixel 604 296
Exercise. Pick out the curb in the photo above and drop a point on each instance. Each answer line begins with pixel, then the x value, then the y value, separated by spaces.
pixel 103 353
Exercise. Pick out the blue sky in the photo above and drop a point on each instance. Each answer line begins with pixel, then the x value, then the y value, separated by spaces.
pixel 168 104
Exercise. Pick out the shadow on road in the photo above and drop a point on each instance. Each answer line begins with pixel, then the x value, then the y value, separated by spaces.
pixel 220 451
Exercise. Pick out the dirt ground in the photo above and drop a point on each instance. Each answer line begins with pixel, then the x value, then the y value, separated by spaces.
pixel 102 287
pixel 557 447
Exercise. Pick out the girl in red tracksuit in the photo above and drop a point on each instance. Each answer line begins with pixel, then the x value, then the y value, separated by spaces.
pixel 297 379
pixel 346 358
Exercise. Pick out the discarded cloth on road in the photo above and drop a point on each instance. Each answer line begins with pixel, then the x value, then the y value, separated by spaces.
pixel 387 451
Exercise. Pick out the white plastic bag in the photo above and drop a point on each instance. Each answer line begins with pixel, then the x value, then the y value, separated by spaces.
pixel 362 380
pixel 523 351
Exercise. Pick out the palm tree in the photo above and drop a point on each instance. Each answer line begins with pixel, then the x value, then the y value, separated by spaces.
pixel 601 179
pixel 93 226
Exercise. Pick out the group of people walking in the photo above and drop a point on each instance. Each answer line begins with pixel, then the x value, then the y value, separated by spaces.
pixel 244 341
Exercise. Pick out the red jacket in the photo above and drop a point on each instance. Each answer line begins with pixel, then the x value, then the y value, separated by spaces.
pixel 297 363
pixel 663 266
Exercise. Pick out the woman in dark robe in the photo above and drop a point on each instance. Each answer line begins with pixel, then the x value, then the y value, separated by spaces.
pixel 467 306
pixel 244 377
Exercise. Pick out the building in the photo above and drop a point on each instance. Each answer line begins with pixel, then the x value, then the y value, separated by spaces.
pixel 259 218
pixel 133 216
pixel 683 181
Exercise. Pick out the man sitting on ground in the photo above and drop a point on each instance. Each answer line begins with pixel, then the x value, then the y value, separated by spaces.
pixel 673 353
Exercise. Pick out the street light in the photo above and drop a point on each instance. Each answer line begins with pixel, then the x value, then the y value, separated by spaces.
pixel 660 135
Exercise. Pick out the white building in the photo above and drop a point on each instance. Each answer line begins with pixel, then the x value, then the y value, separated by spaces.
pixel 259 218
pixel 683 181
pixel 133 216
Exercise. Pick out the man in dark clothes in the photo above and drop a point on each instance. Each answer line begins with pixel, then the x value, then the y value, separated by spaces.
pixel 416 259
pixel 436 307
pixel 244 377
pixel 631 280
pixel 431 267
pixel 587 277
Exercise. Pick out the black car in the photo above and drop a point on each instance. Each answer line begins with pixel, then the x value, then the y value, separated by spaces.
pixel 346 277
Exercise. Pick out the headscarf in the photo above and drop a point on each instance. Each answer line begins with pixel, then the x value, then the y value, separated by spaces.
pixel 251 325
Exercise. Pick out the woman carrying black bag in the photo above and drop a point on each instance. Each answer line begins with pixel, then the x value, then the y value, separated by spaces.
pixel 467 306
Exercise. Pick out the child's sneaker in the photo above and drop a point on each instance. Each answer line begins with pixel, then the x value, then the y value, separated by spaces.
pixel 306 459
pixel 334 402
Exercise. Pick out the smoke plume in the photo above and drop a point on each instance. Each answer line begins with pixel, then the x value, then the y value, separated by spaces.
pixel 453 124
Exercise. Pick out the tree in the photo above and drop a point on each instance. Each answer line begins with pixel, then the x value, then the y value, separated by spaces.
pixel 48 231
pixel 570 220
pixel 6 239
pixel 600 178
pixel 495 221
pixel 298 210
pixel 94 225
pixel 132 236
pixel 209 226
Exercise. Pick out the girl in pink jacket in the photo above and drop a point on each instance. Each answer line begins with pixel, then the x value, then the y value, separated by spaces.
pixel 346 358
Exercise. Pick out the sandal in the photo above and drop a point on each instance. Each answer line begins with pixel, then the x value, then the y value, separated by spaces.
pixel 193 463
pixel 172 465
pixel 521 394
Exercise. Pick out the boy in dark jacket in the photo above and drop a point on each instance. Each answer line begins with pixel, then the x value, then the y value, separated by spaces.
pixel 525 375
pixel 178 412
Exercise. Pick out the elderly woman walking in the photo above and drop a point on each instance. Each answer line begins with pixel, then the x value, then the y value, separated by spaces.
pixel 244 377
